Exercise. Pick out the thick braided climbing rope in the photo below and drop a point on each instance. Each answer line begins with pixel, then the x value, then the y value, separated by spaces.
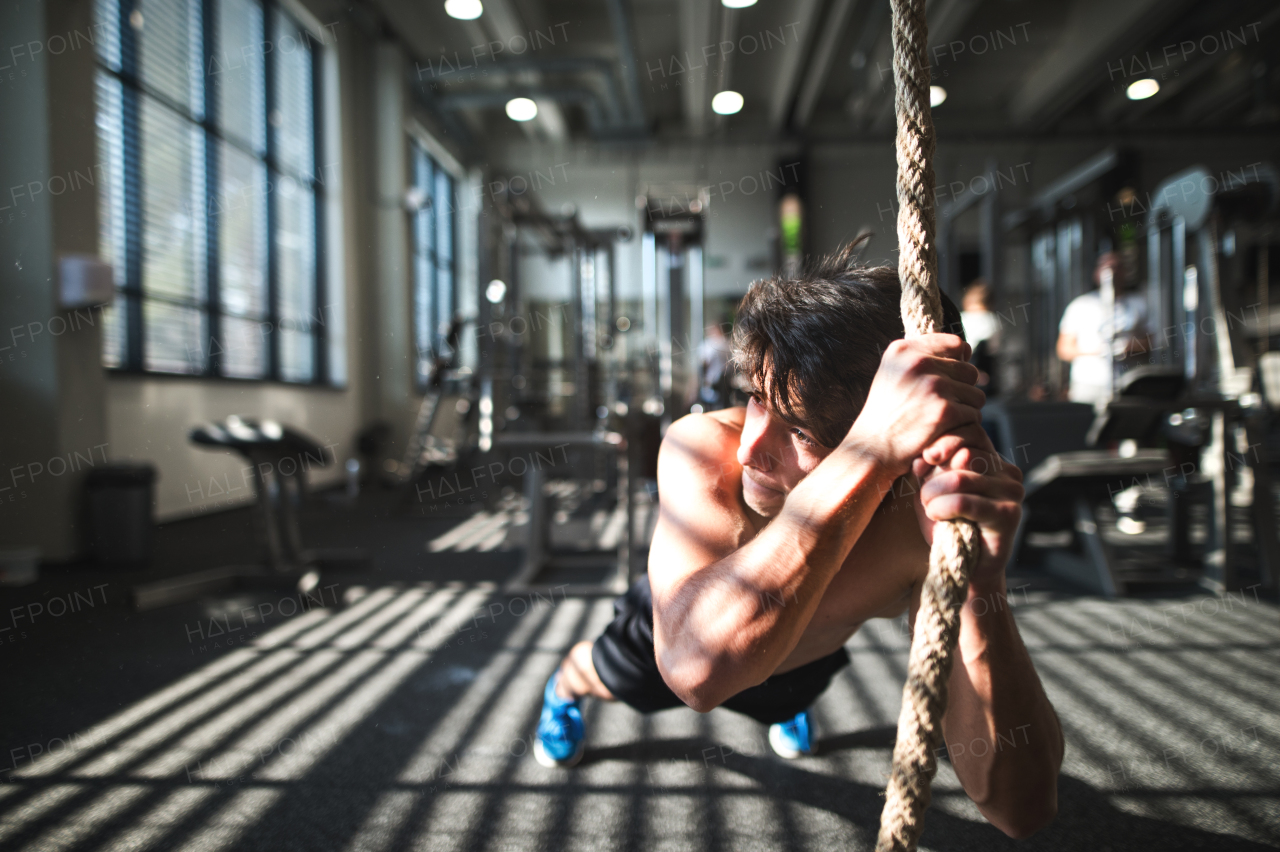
pixel 955 544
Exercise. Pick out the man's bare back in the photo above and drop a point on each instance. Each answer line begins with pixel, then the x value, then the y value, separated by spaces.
pixel 877 579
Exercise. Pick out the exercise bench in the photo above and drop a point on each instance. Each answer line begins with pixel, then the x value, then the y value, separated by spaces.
pixel 279 458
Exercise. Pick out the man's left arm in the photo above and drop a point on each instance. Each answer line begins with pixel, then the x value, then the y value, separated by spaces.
pixel 1002 733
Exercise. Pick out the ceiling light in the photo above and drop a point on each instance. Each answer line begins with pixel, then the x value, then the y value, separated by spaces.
pixel 1140 90
pixel 726 103
pixel 463 10
pixel 937 95
pixel 738 4
pixel 495 293
pixel 521 109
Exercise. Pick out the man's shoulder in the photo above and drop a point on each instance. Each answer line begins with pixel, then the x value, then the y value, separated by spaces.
pixel 702 446
pixel 711 432
pixel 1086 300
pixel 1082 310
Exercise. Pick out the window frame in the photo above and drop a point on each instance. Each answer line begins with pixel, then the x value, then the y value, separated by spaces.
pixel 130 293
pixel 421 148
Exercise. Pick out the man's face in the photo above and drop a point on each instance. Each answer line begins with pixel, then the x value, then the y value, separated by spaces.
pixel 1110 260
pixel 775 455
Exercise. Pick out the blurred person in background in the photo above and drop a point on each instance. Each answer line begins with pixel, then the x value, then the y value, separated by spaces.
pixel 1096 322
pixel 713 361
pixel 982 330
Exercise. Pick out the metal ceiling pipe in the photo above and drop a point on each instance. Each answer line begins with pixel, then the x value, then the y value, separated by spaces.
pixel 620 18
pixel 563 65
pixel 449 123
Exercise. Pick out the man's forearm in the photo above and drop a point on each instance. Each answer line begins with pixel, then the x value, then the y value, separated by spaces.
pixel 1002 733
pixel 731 624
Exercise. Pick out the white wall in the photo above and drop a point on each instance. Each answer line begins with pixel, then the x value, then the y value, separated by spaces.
pixel 31 513
pixel 149 419
pixel 604 184
pixel 852 186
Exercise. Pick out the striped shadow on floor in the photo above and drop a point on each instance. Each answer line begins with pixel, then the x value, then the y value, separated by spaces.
pixel 403 722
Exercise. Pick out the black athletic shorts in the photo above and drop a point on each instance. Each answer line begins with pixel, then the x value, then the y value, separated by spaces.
pixel 625 661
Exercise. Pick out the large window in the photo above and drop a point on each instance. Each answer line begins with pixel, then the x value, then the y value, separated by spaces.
pixel 433 259
pixel 213 198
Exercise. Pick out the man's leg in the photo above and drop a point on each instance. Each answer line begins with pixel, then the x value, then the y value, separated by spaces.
pixel 619 666
pixel 578 675
pixel 782 702
pixel 560 730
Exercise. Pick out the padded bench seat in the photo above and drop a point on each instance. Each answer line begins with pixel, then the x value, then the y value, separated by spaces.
pixel 1067 475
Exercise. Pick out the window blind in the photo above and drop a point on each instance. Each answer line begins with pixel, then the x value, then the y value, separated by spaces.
pixel 211 198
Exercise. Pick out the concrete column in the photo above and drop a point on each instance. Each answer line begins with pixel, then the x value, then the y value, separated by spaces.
pixel 396 361
pixel 51 377
pixel 73 150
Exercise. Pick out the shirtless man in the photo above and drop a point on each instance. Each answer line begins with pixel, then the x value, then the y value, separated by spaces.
pixel 786 525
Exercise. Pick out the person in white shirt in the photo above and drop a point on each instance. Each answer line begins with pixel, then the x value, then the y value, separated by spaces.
pixel 982 331
pixel 1086 331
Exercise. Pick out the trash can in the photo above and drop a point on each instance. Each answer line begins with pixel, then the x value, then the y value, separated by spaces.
pixel 19 566
pixel 120 497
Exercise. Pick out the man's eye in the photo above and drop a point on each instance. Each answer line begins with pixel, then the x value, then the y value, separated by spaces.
pixel 803 437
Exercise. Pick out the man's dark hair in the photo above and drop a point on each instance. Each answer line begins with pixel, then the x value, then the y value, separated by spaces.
pixel 811 345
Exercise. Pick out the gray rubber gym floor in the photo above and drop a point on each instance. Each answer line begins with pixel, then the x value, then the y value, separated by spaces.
pixel 402 721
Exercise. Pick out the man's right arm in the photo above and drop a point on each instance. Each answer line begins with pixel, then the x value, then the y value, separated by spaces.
pixel 1068 347
pixel 716 631
pixel 717 628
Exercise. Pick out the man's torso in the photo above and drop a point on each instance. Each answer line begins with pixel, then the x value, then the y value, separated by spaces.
pixel 876 580
pixel 1087 319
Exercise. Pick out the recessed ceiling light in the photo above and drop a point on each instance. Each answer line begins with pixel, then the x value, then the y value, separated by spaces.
pixel 1140 90
pixel 726 103
pixel 463 10
pixel 521 109
pixel 937 95
pixel 738 4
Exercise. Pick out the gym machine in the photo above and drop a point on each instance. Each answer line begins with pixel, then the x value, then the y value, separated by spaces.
pixel 672 281
pixel 512 420
pixel 1188 426
pixel 441 434
pixel 280 458
pixel 539 555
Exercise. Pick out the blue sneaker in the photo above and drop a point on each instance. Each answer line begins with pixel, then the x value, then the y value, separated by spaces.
pixel 791 739
pixel 561 736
